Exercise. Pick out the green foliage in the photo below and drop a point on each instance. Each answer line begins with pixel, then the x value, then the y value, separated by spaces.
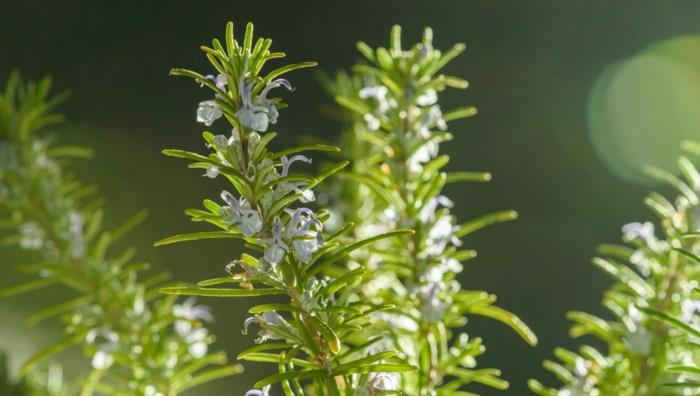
pixel 137 341
pixel 394 128
pixel 651 335
pixel 288 250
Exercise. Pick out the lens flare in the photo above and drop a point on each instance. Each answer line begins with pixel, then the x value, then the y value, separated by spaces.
pixel 641 108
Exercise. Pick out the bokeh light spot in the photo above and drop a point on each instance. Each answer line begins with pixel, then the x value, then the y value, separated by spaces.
pixel 640 109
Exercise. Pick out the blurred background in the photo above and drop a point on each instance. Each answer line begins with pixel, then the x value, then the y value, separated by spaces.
pixel 573 97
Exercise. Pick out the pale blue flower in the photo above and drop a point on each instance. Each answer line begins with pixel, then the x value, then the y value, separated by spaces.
pixel 220 81
pixel 212 172
pixel 636 230
pixel 307 195
pixel 304 230
pixel 643 232
pixel 188 312
pixel 255 392
pixel 219 143
pixel 257 113
pixel 268 317
pixel 208 112
pixel 276 248
pixel 239 213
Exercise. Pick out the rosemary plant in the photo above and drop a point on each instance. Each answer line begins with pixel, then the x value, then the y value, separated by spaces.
pixel 311 328
pixel 395 126
pixel 655 275
pixel 137 341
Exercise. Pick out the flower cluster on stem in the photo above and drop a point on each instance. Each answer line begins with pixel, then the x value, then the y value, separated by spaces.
pixel 652 302
pixel 395 127
pixel 289 252
pixel 137 342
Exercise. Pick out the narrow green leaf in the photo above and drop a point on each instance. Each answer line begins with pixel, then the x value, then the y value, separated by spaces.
pixel 677 323
pixel 195 236
pixel 218 292
pixel 485 221
pixel 313 268
pixel 313 147
pixel 27 287
pixel 454 177
pixel 509 319
pixel 217 281
pixel 57 309
pixel 462 112
pixel 274 307
pixel 290 375
pixel 208 376
pixel 53 349
pixel 70 151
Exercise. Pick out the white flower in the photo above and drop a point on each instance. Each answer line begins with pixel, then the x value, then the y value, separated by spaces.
pixel 187 313
pixel 380 383
pixel 255 392
pixel 638 339
pixel 425 153
pixel 643 232
pixel 441 234
pixel 427 213
pixel 31 236
pixel 257 113
pixel 434 117
pixel 103 335
pixel 196 341
pixel 436 273
pixel 106 341
pixel 276 248
pixel 151 390
pixel 208 112
pixel 102 360
pixel 432 308
pixel 239 213
pixel 429 97
pixel 379 94
pixel 75 234
pixel 581 367
pixel 689 308
pixel 304 230
pixel 372 122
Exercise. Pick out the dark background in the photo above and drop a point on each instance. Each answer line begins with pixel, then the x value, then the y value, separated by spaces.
pixel 531 65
